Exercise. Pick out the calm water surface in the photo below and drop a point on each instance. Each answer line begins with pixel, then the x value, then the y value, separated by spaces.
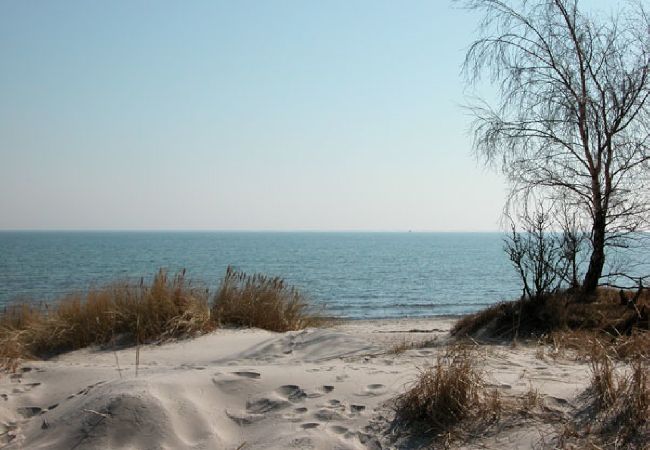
pixel 356 275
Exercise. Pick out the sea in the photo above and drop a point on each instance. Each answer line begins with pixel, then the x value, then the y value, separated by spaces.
pixel 353 275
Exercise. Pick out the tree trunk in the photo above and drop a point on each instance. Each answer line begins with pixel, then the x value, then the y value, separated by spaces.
pixel 597 260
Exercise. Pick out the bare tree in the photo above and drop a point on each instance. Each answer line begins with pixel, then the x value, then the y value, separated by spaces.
pixel 572 121
pixel 572 242
pixel 538 255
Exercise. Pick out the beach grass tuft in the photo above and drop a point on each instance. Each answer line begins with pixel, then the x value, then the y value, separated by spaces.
pixel 620 399
pixel 261 301
pixel 445 394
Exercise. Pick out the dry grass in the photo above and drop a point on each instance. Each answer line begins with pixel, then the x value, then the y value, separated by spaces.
pixel 400 347
pixel 471 324
pixel 620 401
pixel 603 385
pixel 135 313
pixel 637 395
pixel 445 394
pixel 584 344
pixel 615 413
pixel 637 344
pixel 610 311
pixel 17 324
pixel 168 307
pixel 263 302
pixel 530 400
pixel 12 350
pixel 405 344
pixel 519 319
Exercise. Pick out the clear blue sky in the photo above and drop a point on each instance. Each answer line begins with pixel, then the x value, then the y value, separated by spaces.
pixel 283 115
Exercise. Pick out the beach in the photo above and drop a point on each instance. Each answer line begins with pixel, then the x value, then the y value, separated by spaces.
pixel 318 388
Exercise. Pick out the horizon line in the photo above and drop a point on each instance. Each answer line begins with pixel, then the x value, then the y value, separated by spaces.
pixel 242 230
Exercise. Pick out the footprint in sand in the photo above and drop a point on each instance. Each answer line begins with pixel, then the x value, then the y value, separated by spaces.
pixel 551 401
pixel 323 390
pixel 310 425
pixel 292 418
pixel 373 390
pixel 232 384
pixel 356 409
pixel 302 442
pixel 248 374
pixel 16 377
pixel 25 388
pixel 190 367
pixel 368 440
pixel 329 414
pixel 295 416
pixel 338 429
pixel 292 392
pixel 265 405
pixel 334 405
pixel 29 411
pixel 85 390
pixel 281 398
pixel 244 418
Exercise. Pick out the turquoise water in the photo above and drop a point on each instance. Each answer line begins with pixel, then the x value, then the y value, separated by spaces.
pixel 355 275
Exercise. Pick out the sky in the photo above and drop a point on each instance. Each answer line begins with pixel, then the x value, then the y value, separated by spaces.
pixel 266 115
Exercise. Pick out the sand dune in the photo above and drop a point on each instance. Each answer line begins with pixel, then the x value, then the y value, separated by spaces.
pixel 232 389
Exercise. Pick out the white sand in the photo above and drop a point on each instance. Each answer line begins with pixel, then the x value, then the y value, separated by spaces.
pixel 253 389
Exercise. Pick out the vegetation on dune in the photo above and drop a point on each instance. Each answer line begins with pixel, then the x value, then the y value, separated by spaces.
pixel 570 131
pixel 571 138
pixel 261 301
pixel 612 313
pixel 126 313
pixel 443 394
pixel 119 313
pixel 615 414
pixel 452 401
